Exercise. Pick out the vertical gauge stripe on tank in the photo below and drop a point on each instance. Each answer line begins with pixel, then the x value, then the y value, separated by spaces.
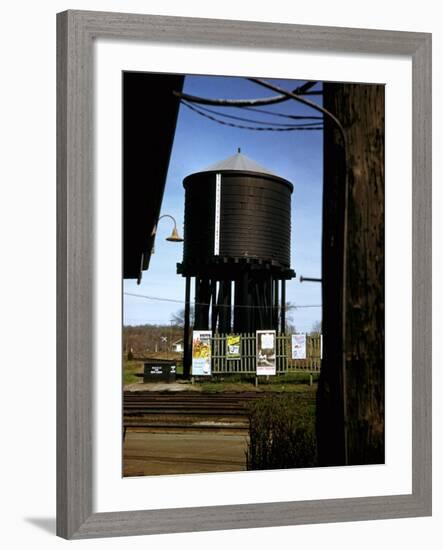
pixel 217 214
pixel 237 214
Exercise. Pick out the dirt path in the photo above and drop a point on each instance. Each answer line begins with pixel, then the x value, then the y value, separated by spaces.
pixel 148 453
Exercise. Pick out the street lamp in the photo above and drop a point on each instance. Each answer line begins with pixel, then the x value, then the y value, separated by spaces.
pixel 174 237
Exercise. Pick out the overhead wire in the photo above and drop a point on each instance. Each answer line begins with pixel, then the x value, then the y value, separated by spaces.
pixel 234 117
pixel 273 128
pixel 183 302
pixel 244 102
pixel 280 114
pixel 297 97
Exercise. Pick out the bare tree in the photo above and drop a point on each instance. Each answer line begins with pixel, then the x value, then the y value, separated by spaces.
pixel 178 318
pixel 316 328
pixel 290 308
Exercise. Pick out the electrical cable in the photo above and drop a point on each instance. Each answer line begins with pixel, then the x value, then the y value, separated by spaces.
pixel 243 102
pixel 183 302
pixel 280 114
pixel 296 97
pixel 256 128
pixel 254 120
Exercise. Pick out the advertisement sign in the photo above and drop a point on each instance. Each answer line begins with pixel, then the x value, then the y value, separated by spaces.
pixel 266 354
pixel 233 342
pixel 299 346
pixel 201 352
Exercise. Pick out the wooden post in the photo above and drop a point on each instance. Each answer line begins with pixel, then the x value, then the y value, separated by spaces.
pixel 237 302
pixel 224 301
pixel 202 301
pixel 241 312
pixel 350 399
pixel 214 308
pixel 270 301
pixel 275 305
pixel 283 306
pixel 186 331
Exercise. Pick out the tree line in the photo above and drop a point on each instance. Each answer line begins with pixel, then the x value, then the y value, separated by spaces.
pixel 141 340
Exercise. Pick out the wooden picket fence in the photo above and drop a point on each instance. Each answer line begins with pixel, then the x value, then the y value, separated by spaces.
pixel 312 363
pixel 246 363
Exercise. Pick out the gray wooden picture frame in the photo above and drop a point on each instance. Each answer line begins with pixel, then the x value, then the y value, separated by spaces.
pixel 76 31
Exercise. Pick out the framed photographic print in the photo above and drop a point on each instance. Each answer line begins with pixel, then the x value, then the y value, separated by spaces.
pixel 224 186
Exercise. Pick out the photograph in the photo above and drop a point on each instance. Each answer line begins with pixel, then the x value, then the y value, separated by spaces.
pixel 253 273
pixel 220 294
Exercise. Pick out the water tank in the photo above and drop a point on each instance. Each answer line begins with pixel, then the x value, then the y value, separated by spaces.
pixel 237 210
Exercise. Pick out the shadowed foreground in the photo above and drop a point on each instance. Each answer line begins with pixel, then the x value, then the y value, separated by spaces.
pixel 150 453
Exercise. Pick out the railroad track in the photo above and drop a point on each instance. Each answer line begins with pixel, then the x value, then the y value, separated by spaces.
pixel 227 404
pixel 181 412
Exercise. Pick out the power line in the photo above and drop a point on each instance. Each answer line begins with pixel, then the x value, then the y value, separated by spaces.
pixel 245 102
pixel 172 300
pixel 258 121
pixel 296 97
pixel 257 128
pixel 280 114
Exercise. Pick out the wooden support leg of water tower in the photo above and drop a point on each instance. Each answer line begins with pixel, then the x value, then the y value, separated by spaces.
pixel 259 310
pixel 255 311
pixel 246 303
pixel 214 307
pixel 271 302
pixel 186 330
pixel 267 301
pixel 239 304
pixel 283 306
pixel 224 303
pixel 275 305
pixel 202 301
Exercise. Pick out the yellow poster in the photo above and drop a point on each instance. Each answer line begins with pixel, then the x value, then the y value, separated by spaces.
pixel 233 342
pixel 201 353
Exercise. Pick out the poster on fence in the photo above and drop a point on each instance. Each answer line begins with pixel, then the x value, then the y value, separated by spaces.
pixel 233 342
pixel 201 352
pixel 299 346
pixel 266 354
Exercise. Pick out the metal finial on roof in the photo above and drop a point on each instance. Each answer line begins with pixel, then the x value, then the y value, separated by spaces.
pixel 240 162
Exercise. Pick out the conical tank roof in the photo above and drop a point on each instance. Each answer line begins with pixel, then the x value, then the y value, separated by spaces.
pixel 239 162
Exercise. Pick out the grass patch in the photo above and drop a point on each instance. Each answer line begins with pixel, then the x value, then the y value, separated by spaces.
pixel 130 378
pixel 290 378
pixel 132 366
pixel 219 387
pixel 130 371
pixel 288 388
pixel 295 382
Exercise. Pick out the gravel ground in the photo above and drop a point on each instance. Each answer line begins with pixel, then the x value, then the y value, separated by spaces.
pixel 166 386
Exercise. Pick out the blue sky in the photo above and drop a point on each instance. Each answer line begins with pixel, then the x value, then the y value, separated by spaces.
pixel 200 142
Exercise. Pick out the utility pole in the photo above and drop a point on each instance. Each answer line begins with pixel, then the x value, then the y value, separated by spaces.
pixel 350 412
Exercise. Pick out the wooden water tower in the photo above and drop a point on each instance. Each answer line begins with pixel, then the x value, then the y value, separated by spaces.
pixel 237 239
